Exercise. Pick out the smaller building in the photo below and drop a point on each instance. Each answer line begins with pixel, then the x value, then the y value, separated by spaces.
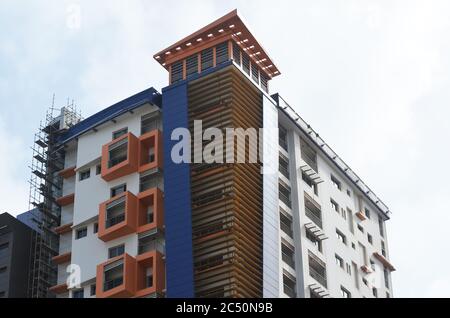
pixel 15 251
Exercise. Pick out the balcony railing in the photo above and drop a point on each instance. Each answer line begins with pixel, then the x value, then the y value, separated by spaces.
pixel 115 220
pixel 287 229
pixel 113 283
pixel 289 291
pixel 288 259
pixel 313 217
pixel 318 277
pixel 151 246
pixel 285 199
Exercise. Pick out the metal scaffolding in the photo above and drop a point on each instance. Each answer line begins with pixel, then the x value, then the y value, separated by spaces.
pixel 45 188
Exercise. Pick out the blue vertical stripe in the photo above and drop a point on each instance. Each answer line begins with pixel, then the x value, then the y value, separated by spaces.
pixel 177 199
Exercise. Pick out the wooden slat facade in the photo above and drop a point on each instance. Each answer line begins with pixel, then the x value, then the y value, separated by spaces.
pixel 226 198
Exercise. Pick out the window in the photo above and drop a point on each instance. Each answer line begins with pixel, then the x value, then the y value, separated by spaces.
pixel 98 169
pixel 116 251
pixel 317 269
pixel 348 269
pixel 287 254
pixel 367 213
pixel 255 73
pixel 192 65
pixel 369 238
pixel 381 226
pixel 148 277
pixel 312 211
pixel 221 53
pixel 246 63
pixel 95 227
pixel 284 193
pixel 149 180
pixel 85 174
pixel 118 190
pixel 308 154
pixel 286 224
pixel 345 293
pixel 351 224
pixel 372 265
pixel 339 261
pixel 176 72
pixel 115 212
pixel 307 179
pixel 353 246
pixel 150 122
pixel 264 82
pixel 207 58
pixel 78 293
pixel 80 233
pixel 336 183
pixel 118 152
pixel 284 166
pixel 341 237
pixel 119 133
pixel 360 228
pixel 349 193
pixel 282 138
pixel 3 269
pixel 334 205
pixel 4 246
pixel 236 54
pixel 113 276
pixel 383 249
pixel 386 278
pixel 93 289
pixel 289 285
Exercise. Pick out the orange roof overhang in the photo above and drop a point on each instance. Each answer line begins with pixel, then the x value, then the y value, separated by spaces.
pixel 225 28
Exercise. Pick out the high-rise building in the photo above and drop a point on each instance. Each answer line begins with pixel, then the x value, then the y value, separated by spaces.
pixel 15 257
pixel 136 222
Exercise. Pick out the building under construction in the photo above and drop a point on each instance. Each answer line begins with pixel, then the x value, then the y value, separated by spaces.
pixel 45 189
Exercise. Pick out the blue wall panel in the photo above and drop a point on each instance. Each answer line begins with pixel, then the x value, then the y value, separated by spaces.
pixel 177 199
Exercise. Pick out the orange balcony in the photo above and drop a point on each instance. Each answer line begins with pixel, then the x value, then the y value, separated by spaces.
pixel 120 157
pixel 66 200
pixel 150 274
pixel 118 216
pixel 126 276
pixel 384 261
pixel 366 269
pixel 66 228
pixel 150 152
pixel 59 289
pixel 116 278
pixel 150 210
pixel 62 258
pixel 361 216
pixel 67 173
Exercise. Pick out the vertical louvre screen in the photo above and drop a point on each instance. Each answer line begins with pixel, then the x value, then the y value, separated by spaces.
pixel 191 65
pixel 236 54
pixel 264 82
pixel 221 53
pixel 207 59
pixel 177 72
pixel 255 72
pixel 246 63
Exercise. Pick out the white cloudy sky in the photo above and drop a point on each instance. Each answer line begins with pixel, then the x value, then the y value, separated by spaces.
pixel 371 76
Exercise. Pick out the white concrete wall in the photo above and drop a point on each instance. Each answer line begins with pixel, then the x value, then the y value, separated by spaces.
pixel 336 276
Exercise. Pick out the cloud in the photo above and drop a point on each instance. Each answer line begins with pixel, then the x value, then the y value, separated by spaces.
pixel 13 188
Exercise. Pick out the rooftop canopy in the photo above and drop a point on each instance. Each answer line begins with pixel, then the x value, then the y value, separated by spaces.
pixel 228 27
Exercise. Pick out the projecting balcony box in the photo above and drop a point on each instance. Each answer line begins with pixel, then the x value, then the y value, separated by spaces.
pixel 67 173
pixel 116 277
pixel 62 258
pixel 120 157
pixel 150 210
pixel 118 216
pixel 360 215
pixel 384 261
pixel 59 289
pixel 150 152
pixel 126 276
pixel 66 228
pixel 66 200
